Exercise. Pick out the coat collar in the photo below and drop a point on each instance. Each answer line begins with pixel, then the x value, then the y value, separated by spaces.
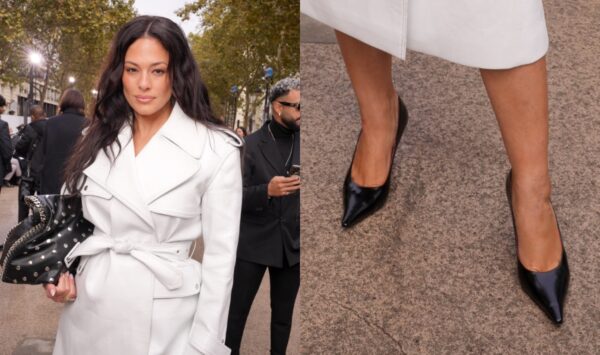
pixel 268 148
pixel 170 158
pixel 183 131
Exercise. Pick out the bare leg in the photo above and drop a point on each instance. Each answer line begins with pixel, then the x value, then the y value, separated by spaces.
pixel 370 71
pixel 519 98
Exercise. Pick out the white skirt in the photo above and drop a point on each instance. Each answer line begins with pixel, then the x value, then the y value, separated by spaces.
pixel 490 34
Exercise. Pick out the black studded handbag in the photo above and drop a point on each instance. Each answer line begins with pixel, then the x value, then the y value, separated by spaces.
pixel 35 249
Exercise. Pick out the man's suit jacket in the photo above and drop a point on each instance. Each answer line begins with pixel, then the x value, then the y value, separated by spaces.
pixel 62 132
pixel 30 141
pixel 6 148
pixel 270 228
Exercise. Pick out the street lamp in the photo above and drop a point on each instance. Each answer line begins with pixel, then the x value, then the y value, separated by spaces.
pixel 35 59
pixel 94 93
pixel 71 80
pixel 234 92
pixel 268 77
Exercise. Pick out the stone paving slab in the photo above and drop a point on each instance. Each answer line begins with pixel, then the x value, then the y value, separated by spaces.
pixel 435 271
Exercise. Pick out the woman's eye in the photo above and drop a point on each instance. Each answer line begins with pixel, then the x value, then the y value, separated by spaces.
pixel 159 71
pixel 130 70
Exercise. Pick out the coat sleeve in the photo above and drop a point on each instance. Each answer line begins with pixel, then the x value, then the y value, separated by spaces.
pixel 256 197
pixel 37 159
pixel 24 143
pixel 221 209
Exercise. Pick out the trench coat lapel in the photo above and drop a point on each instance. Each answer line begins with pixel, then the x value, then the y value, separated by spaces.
pixel 268 148
pixel 172 156
pixel 117 174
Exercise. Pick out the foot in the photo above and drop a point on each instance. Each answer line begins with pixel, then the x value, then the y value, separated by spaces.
pixel 539 245
pixel 373 156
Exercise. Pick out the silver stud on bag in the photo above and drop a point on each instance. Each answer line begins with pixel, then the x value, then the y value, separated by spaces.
pixel 75 240
pixel 24 278
pixel 35 274
pixel 30 262
pixel 48 241
pixel 18 267
pixel 47 268
pixel 43 257
pixel 66 245
pixel 51 279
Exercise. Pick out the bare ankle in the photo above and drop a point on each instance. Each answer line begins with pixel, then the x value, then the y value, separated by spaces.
pixel 379 113
pixel 536 186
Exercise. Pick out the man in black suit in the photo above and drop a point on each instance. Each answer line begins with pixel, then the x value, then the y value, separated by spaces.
pixel 29 142
pixel 62 132
pixel 6 148
pixel 270 223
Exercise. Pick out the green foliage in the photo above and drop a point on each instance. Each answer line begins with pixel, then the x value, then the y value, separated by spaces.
pixel 11 33
pixel 238 39
pixel 73 36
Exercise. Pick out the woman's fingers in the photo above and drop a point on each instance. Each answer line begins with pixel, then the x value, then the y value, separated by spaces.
pixel 64 291
pixel 50 290
pixel 63 288
pixel 72 289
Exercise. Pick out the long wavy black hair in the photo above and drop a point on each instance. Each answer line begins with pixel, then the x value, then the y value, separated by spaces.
pixel 111 110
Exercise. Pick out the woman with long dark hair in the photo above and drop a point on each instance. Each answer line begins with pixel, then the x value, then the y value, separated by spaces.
pixel 156 170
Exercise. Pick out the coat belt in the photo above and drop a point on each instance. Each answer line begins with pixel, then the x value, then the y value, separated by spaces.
pixel 157 257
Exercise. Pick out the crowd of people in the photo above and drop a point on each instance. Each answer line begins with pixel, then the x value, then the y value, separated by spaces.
pixel 33 158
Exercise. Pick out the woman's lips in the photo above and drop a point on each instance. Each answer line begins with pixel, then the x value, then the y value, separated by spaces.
pixel 144 99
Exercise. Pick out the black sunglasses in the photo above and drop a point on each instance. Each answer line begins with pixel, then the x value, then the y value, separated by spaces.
pixel 290 104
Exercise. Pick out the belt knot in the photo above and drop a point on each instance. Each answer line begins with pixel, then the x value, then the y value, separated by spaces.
pixel 122 247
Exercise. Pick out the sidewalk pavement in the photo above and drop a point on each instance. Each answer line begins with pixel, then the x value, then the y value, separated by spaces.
pixel 29 320
pixel 434 272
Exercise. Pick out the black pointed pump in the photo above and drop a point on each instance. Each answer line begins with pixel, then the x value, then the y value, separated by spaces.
pixel 360 202
pixel 547 289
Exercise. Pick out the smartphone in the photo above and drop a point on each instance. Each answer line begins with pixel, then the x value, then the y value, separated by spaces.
pixel 295 170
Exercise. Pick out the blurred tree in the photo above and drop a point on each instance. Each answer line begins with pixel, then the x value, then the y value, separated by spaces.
pixel 238 40
pixel 73 37
pixel 11 34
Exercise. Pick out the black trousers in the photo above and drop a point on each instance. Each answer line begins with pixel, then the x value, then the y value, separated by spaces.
pixel 284 288
pixel 27 186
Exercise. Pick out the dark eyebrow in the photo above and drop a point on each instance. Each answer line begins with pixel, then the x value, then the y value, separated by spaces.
pixel 152 65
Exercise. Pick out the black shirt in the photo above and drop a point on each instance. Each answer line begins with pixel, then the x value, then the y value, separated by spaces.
pixel 284 138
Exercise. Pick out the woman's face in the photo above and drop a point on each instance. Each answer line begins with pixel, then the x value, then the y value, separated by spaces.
pixel 146 82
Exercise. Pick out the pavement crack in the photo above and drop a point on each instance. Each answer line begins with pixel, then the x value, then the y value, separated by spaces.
pixel 370 324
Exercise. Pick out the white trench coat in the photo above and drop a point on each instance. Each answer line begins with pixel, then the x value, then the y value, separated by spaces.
pixel 491 34
pixel 138 292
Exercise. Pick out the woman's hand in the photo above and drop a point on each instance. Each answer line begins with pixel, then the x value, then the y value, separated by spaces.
pixel 64 291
